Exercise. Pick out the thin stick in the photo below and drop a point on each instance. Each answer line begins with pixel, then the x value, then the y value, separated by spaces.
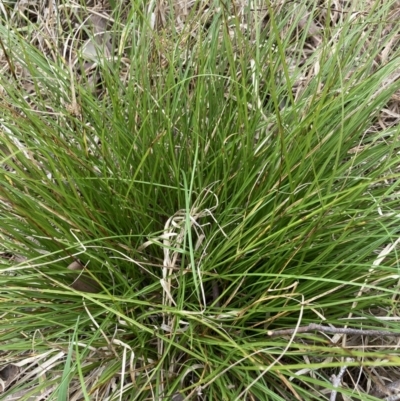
pixel 332 330
pixel 336 380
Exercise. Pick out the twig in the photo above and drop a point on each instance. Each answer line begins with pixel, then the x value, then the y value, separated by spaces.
pixel 336 380
pixel 333 330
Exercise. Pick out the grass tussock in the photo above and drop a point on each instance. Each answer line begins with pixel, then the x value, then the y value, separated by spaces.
pixel 180 179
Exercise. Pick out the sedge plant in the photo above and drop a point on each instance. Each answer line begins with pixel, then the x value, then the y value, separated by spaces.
pixel 217 178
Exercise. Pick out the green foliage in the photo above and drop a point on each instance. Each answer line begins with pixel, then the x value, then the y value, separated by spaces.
pixel 211 195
